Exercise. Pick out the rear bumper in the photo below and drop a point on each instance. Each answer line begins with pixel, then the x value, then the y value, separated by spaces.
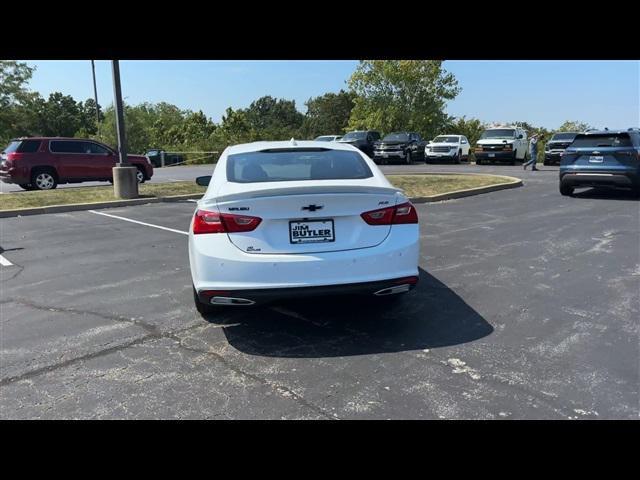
pixel 598 179
pixel 216 264
pixel 13 176
pixel 266 295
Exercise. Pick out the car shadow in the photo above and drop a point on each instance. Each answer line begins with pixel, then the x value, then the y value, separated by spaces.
pixel 607 194
pixel 430 316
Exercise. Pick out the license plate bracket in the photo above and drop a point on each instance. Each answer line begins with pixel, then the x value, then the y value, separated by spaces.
pixel 311 231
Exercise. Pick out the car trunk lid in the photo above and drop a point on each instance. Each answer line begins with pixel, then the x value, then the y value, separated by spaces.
pixel 298 218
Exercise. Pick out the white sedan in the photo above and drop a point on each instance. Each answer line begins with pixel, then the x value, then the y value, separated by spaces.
pixel 294 219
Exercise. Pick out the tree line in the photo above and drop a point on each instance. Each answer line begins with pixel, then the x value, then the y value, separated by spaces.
pixel 383 95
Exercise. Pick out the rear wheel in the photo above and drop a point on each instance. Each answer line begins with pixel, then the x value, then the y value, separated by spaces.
pixel 565 189
pixel 140 176
pixel 44 179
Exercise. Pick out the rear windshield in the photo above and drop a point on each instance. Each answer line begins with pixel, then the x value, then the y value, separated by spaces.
pixel 499 133
pixel 296 165
pixel 587 141
pixel 563 136
pixel 23 146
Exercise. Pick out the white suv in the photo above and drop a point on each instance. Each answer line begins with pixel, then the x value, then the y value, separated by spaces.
pixel 447 147
pixel 505 144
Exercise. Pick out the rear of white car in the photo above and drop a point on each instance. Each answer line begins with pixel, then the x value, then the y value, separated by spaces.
pixel 285 219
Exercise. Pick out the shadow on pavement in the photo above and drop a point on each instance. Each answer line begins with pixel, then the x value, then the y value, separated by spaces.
pixel 430 316
pixel 607 194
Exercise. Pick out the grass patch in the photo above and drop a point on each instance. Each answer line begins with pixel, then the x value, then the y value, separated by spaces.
pixel 413 185
pixel 428 185
pixel 68 196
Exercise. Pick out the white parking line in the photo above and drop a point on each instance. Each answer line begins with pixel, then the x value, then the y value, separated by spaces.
pixel 192 200
pixel 4 262
pixel 140 223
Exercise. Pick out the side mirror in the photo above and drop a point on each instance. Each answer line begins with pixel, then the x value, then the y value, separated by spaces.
pixel 204 180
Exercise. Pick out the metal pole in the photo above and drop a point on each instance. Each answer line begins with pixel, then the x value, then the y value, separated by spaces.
pixel 117 94
pixel 95 95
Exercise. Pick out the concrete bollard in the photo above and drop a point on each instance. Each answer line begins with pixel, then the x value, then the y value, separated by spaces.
pixel 125 183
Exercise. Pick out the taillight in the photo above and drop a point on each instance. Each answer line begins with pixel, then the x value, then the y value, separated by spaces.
pixel 206 221
pixel 400 214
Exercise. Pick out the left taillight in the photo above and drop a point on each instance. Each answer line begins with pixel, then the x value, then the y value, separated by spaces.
pixel 400 214
pixel 208 221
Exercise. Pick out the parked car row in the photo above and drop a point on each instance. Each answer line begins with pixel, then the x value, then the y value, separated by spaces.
pixel 41 163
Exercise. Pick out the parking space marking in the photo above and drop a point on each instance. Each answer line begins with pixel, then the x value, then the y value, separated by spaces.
pixel 138 222
pixel 4 262
pixel 192 200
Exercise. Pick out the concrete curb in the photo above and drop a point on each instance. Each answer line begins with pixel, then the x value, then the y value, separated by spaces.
pixel 90 206
pixel 512 183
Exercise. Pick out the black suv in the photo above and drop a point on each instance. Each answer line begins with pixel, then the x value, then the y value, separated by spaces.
pixel 402 146
pixel 556 146
pixel 362 139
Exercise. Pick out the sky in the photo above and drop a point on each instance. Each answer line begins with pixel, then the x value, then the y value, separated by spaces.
pixel 542 93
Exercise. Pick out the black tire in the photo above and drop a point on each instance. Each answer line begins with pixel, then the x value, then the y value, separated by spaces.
pixel 202 308
pixel 408 159
pixel 565 189
pixel 140 175
pixel 44 178
pixel 458 158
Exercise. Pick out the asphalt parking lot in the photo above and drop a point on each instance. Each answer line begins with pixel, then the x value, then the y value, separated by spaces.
pixel 527 308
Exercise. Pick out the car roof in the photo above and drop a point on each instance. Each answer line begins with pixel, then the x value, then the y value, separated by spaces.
pixel 287 145
pixel 55 138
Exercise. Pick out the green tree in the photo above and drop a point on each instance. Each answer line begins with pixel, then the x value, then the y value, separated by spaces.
pixel 401 95
pixel 471 128
pixel 14 117
pixel 274 119
pixel 58 116
pixel 574 126
pixel 328 114
pixel 136 125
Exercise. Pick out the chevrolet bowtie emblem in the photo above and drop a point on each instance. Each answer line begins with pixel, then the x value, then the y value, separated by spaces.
pixel 312 208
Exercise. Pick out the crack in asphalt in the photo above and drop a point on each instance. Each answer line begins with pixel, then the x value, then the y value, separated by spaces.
pixel 154 333
pixel 152 329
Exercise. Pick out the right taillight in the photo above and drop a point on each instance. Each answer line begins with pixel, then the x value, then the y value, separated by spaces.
pixel 400 214
pixel 208 221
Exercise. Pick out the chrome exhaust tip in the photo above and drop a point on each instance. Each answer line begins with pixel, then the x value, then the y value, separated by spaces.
pixel 405 287
pixel 231 301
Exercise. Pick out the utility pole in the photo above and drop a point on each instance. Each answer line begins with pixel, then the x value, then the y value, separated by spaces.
pixel 125 182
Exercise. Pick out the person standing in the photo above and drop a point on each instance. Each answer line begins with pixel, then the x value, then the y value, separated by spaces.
pixel 533 152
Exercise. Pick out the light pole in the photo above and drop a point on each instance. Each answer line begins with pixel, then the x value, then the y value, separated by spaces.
pixel 125 182
pixel 95 96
